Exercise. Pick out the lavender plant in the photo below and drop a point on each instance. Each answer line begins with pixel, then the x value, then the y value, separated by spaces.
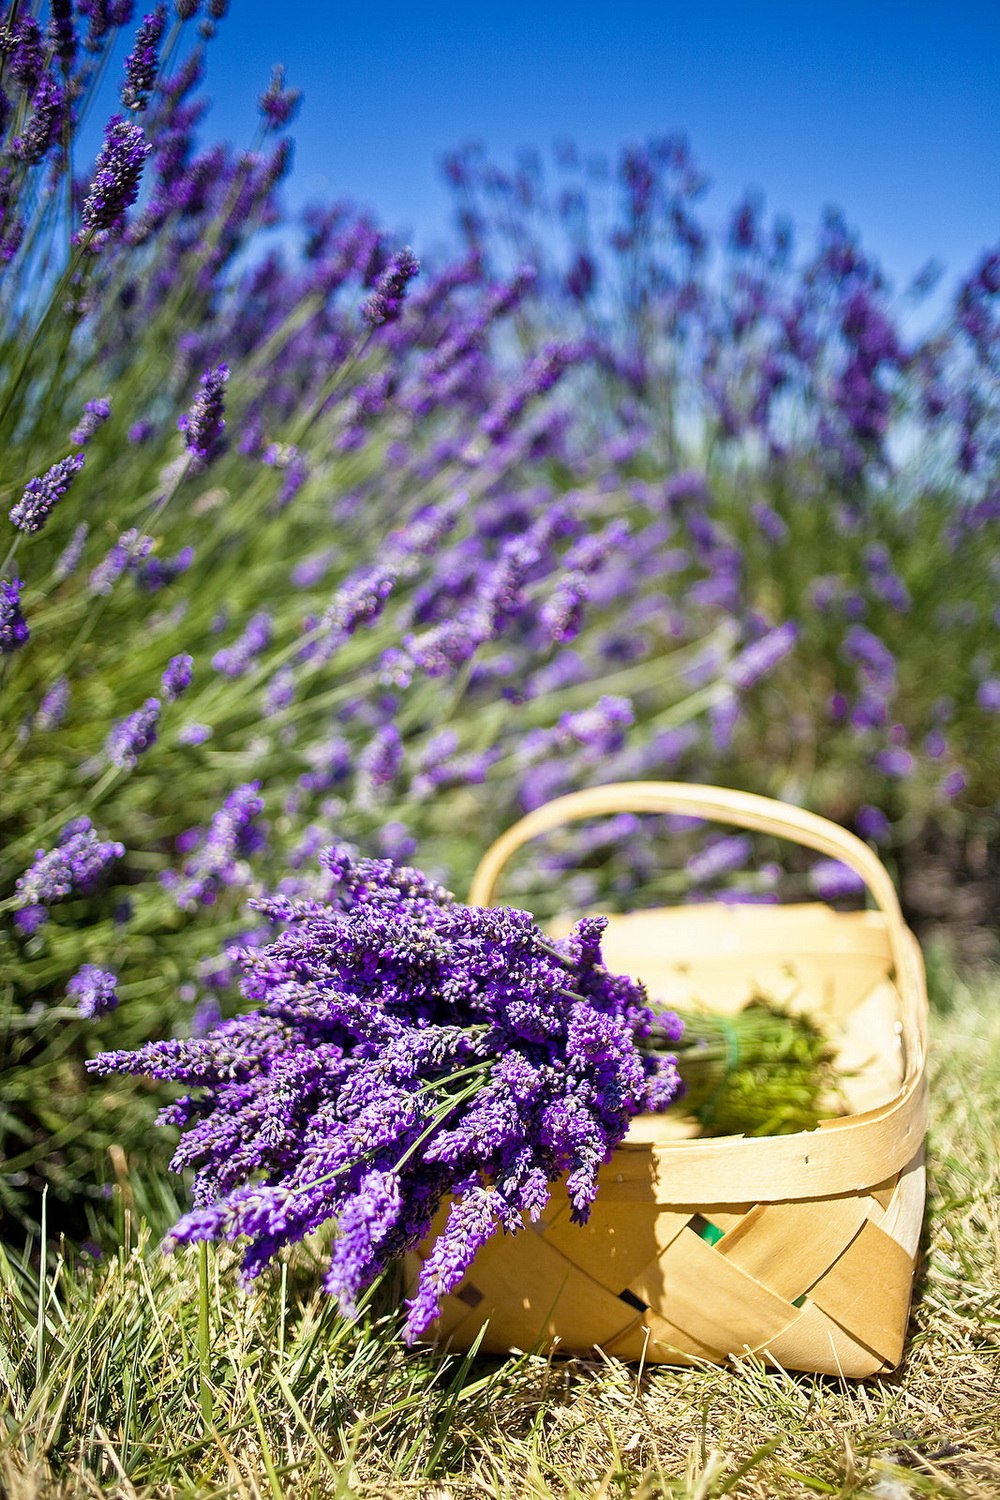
pixel 830 471
pixel 305 542
pixel 296 544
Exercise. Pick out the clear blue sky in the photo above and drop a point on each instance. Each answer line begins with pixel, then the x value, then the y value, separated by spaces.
pixel 890 110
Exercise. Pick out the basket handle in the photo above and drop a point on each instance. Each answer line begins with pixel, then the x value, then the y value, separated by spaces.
pixel 717 804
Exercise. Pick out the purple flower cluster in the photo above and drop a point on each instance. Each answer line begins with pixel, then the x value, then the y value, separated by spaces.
pixel 386 301
pixel 43 494
pixel 232 836
pixel 13 626
pixel 95 991
pixel 73 867
pixel 203 425
pixel 133 735
pixel 116 178
pixel 143 61
pixel 404 1049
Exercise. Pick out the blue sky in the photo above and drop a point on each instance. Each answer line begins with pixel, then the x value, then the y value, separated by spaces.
pixel 890 110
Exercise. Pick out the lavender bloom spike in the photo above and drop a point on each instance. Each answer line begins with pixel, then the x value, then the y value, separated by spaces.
pixel 129 551
pixel 95 414
pixel 386 301
pixel 761 657
pixel 13 626
pixel 177 676
pixel 48 108
pixel 43 494
pixel 278 104
pixel 832 880
pixel 203 425
pixel 70 556
pixel 75 865
pixel 95 991
pixel 116 179
pixel 719 858
pixel 54 705
pixel 143 61
pixel 133 735
pixel 232 836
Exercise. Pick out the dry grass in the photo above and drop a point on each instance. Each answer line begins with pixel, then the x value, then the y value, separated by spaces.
pixel 111 1391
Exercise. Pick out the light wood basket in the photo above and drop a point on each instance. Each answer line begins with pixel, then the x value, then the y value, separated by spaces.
pixel 797 1248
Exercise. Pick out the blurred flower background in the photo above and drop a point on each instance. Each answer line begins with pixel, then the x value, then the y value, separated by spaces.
pixel 312 533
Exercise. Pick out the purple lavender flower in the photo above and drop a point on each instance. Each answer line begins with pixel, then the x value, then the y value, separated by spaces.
pixel 69 558
pixel 116 178
pixel 44 125
pixel 43 494
pixel 54 705
pixel 231 837
pixel 133 735
pixel 894 761
pixel 236 659
pixel 95 991
pixel 278 104
pixel 833 880
pixel 13 626
pixel 719 858
pixel 62 32
pixel 380 762
pixel 405 1048
pixel 203 425
pixel 872 823
pixel 953 784
pixel 28 55
pixel 386 301
pixel 194 734
pixel 988 695
pixel 95 414
pixel 74 866
pixel 127 552
pixel 561 615
pixel 761 657
pixel 177 676
pixel 143 61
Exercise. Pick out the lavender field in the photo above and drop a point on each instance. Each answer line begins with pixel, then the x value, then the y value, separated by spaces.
pixel 309 543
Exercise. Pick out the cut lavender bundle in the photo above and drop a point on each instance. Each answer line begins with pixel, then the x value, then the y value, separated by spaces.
pixel 406 1048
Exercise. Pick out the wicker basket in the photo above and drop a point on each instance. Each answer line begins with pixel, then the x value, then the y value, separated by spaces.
pixel 799 1248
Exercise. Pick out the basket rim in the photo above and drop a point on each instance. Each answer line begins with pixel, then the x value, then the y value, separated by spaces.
pixel 849 1153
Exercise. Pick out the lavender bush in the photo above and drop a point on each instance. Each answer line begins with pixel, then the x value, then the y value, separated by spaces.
pixel 305 542
pixel 296 543
pixel 825 467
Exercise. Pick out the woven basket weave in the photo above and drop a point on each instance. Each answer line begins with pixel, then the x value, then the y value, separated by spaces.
pixel 798 1248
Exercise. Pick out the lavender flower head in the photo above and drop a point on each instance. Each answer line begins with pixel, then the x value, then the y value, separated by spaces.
pixel 13 626
pixel 95 991
pixel 95 414
pixel 231 837
pixel 177 676
pixel 386 301
pixel 74 866
pixel 133 735
pixel 143 61
pixel 278 104
pixel 203 425
pixel 42 495
pixel 405 1048
pixel 116 178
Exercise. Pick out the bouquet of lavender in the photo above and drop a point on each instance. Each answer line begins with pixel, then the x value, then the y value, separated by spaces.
pixel 406 1048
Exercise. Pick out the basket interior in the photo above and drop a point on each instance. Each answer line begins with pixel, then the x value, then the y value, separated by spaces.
pixel 835 966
